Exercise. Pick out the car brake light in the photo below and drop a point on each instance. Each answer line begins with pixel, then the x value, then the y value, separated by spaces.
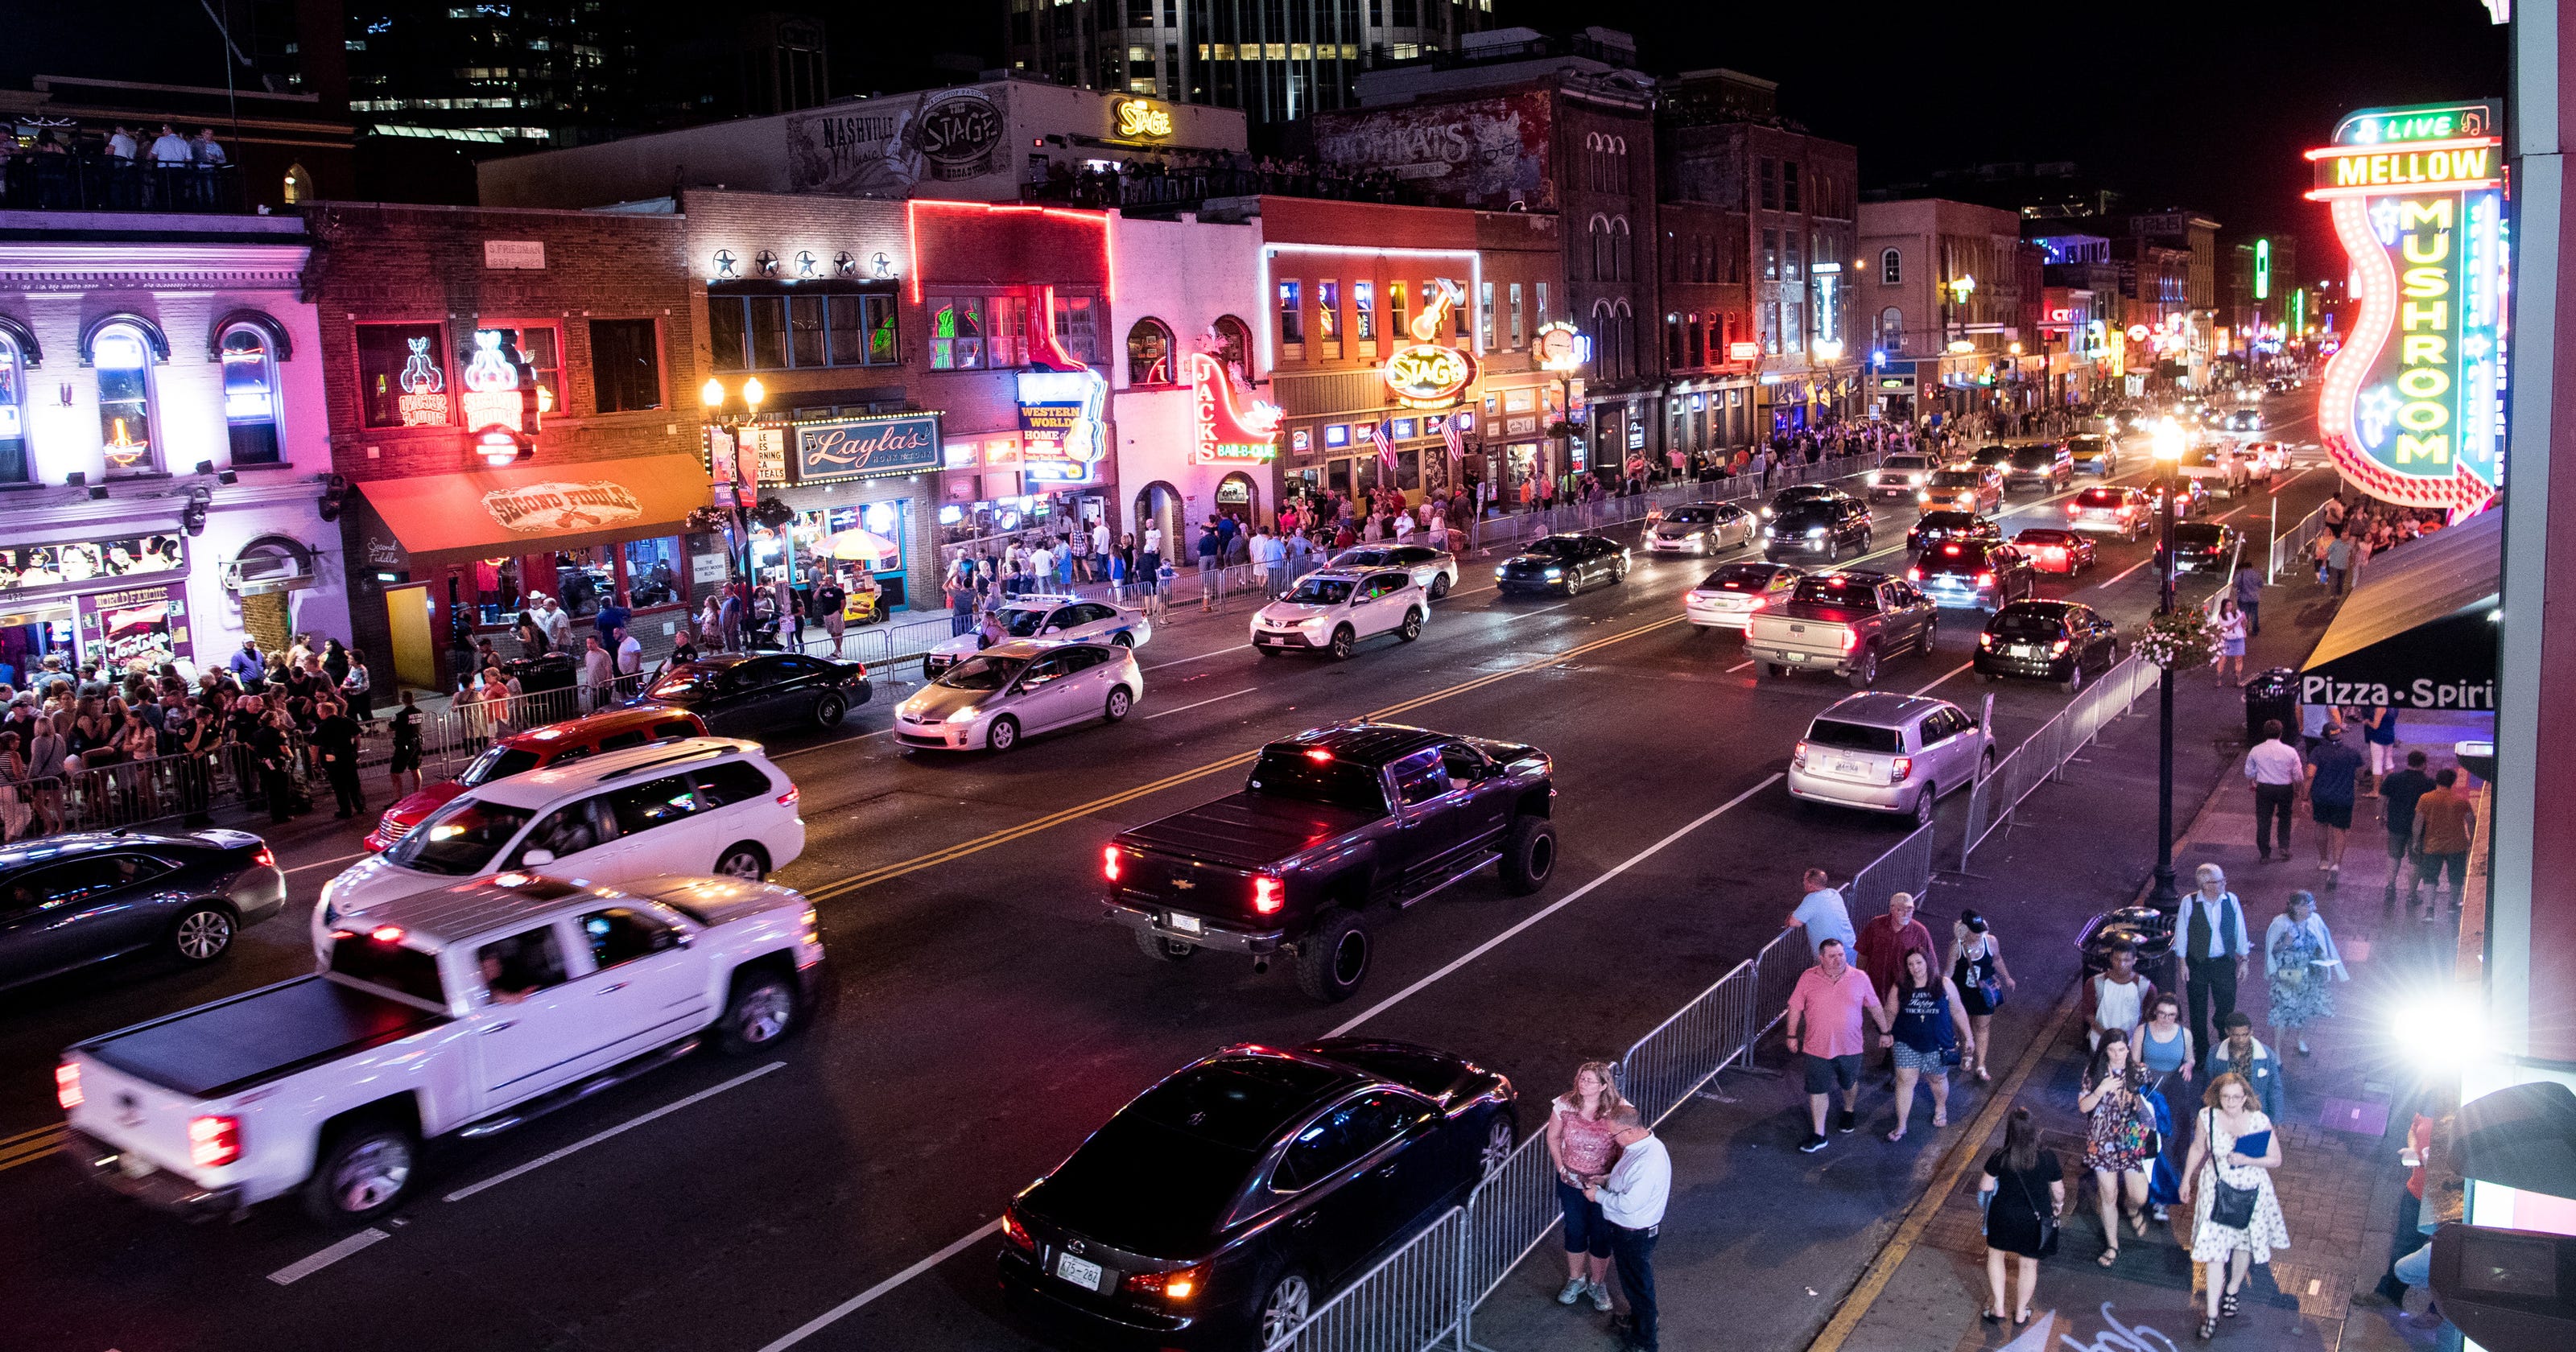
pixel 1265 895
pixel 1851 639
pixel 214 1142
pixel 1985 579
pixel 788 799
pixel 1985 640
pixel 1109 862
pixel 2058 649
pixel 1178 1284
pixel 1016 1234
pixel 67 1090
pixel 2075 509
pixel 266 858
pixel 1950 550
pixel 1798 754
pixel 1913 574
pixel 386 934
pixel 1319 755
pixel 1898 769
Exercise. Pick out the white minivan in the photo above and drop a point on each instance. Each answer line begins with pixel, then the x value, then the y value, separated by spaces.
pixel 695 805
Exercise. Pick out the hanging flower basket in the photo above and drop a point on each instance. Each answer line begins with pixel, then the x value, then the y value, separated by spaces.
pixel 1562 428
pixel 2178 640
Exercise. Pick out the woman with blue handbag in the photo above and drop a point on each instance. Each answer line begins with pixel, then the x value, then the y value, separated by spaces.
pixel 1977 969
pixel 1928 1036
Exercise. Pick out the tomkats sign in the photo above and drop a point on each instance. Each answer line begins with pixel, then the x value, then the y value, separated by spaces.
pixel 1475 153
pixel 556 508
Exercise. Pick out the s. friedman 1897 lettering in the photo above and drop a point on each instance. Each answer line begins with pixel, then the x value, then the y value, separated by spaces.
pixel 2422 693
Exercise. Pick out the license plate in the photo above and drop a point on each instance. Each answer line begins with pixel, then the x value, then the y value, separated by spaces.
pixel 1186 924
pixel 1269 638
pixel 1795 657
pixel 2024 650
pixel 1846 768
pixel 1080 1272
pixel 133 1165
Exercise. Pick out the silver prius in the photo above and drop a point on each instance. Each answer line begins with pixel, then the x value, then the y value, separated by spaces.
pixel 1700 528
pixel 990 699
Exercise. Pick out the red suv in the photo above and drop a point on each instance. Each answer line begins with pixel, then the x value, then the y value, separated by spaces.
pixel 520 752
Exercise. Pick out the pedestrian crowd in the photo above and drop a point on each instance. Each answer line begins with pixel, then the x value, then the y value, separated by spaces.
pixel 55 166
pixel 2356 532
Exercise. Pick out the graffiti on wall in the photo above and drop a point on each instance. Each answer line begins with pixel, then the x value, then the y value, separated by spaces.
pixel 1486 153
pixel 936 141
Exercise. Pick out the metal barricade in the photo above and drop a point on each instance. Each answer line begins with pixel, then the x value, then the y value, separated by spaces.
pixel 2045 752
pixel 1905 868
pixel 1509 1214
pixel 1665 1067
pixel 1412 1299
pixel 1775 975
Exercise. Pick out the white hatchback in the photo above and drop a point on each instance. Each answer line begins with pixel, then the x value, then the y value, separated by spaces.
pixel 698 805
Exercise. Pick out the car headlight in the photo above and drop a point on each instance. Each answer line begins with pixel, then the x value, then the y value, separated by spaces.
pixel 966 715
pixel 1553 572
pixel 1815 532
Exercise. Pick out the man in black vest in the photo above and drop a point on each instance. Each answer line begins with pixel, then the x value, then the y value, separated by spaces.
pixel 2209 932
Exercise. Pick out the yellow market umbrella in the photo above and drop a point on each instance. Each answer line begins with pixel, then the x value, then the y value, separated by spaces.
pixel 859 544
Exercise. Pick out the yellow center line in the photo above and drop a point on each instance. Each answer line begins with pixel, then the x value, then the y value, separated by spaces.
pixel 889 872
pixel 26 1152
pixel 6 1141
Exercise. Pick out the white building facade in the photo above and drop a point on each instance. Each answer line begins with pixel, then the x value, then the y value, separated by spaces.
pixel 163 442
pixel 1185 287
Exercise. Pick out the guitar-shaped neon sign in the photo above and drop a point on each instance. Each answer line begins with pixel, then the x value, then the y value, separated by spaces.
pixel 1427 373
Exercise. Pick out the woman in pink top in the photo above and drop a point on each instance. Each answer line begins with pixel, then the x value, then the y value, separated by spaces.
pixel 1580 1124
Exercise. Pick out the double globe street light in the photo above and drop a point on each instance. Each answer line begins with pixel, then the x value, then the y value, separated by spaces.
pixel 712 400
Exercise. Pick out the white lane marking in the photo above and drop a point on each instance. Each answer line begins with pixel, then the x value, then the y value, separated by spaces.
pixel 1243 647
pixel 828 746
pixel 838 1312
pixel 326 863
pixel 626 1126
pixel 305 1267
pixel 1739 666
pixel 1945 676
pixel 1552 908
pixel 1202 703
pixel 2106 586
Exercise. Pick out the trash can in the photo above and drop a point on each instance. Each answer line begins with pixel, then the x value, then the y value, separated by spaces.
pixel 2272 694
pixel 546 693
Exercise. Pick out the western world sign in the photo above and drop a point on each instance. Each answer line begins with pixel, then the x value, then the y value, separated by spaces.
pixel 2413 405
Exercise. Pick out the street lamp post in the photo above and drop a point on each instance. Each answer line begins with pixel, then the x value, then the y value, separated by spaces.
pixel 711 398
pixel 2168 448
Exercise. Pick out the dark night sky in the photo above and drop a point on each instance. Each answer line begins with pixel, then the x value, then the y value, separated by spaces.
pixel 2184 103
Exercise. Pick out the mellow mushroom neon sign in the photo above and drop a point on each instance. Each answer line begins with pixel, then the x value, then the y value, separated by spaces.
pixel 1427 373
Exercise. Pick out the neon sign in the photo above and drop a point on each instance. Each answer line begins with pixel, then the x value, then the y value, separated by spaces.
pixel 1141 120
pixel 500 407
pixel 1227 433
pixel 1427 373
pixel 2413 407
pixel 423 401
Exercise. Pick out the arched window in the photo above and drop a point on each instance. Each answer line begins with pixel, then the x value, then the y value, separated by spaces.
pixel 299 184
pixel 1596 234
pixel 1234 344
pixel 1623 251
pixel 122 354
pixel 1627 341
pixel 1149 353
pixel 1891 329
pixel 250 393
pixel 16 465
pixel 1673 340
pixel 1891 268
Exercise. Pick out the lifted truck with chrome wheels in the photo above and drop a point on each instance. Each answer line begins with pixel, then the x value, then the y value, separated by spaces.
pixel 1330 824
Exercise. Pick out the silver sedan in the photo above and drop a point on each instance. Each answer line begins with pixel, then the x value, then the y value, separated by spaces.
pixel 991 699
pixel 1700 529
pixel 1433 570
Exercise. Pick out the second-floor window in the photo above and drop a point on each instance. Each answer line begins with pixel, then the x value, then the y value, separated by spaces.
pixel 625 364
pixel 14 460
pixel 1485 307
pixel 1520 332
pixel 1292 319
pixel 754 332
pixel 250 395
pixel 1149 353
pixel 1364 311
pixel 123 357
pixel 1395 312
pixel 1328 316
pixel 402 375
pixel 1891 268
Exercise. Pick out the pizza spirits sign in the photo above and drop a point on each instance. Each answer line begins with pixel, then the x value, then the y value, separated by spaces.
pixel 2413 406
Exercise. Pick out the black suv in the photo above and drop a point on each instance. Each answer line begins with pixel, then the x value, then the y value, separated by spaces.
pixel 1821 527
pixel 2048 464
pixel 1980 573
pixel 1933 528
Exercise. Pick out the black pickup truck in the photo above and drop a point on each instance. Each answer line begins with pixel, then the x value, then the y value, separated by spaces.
pixel 1329 823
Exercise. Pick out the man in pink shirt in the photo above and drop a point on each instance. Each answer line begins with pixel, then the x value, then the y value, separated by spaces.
pixel 1826 1031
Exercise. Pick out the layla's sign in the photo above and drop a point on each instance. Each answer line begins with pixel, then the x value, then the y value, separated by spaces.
pixel 1228 433
pixel 867 448
pixel 1140 120
pixel 1427 373
pixel 557 508
pixel 2413 406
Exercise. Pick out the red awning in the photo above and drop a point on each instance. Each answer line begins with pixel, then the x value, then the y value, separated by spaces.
pixel 443 519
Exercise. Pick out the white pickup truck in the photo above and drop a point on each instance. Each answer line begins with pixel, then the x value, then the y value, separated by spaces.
pixel 459 1012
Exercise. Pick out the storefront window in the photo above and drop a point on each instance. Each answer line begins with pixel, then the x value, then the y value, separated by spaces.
pixel 402 375
pixel 625 364
pixel 956 332
pixel 124 361
pixel 654 572
pixel 14 460
pixel 497 590
pixel 1408 471
pixel 1149 353
pixel 250 396
pixel 583 580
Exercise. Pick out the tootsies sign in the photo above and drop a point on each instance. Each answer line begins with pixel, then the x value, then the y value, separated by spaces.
pixel 866 448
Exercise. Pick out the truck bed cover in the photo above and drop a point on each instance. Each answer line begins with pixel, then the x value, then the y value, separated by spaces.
pixel 1247 830
pixel 222 1049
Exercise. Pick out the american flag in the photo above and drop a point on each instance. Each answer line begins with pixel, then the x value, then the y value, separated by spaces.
pixel 1385 446
pixel 1457 444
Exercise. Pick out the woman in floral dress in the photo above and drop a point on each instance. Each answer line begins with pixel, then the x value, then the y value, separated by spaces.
pixel 2120 1127
pixel 2227 1118
pixel 2299 965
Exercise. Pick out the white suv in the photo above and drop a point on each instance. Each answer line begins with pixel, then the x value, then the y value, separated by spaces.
pixel 698 805
pixel 1334 608
pixel 1882 752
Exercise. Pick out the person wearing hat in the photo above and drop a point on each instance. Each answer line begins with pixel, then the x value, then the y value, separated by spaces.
pixel 2334 770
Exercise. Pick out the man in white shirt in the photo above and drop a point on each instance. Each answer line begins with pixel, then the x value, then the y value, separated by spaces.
pixel 1042 567
pixel 1154 540
pixel 630 654
pixel 1100 540
pixel 170 149
pixel 556 622
pixel 120 145
pixel 2275 771
pixel 597 673
pixel 2209 932
pixel 1632 1198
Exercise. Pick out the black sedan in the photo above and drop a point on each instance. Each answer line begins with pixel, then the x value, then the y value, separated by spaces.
pixel 1981 573
pixel 1225 1204
pixel 69 901
pixel 1933 528
pixel 1818 527
pixel 744 694
pixel 1566 563
pixel 2061 641
pixel 2203 547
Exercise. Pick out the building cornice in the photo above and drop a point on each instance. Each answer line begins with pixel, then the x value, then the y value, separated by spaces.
pixel 66 266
